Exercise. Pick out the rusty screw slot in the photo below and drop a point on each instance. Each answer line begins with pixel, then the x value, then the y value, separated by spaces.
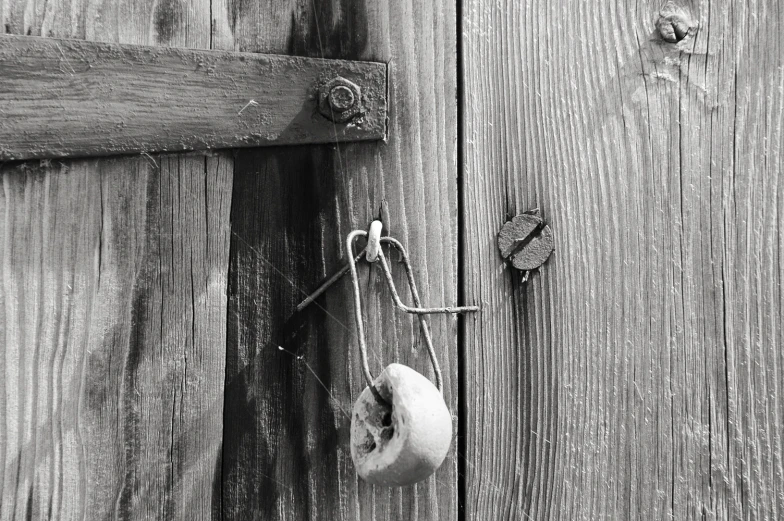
pixel 340 100
pixel 526 241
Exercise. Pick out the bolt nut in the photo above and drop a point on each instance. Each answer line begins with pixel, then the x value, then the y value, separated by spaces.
pixel 340 100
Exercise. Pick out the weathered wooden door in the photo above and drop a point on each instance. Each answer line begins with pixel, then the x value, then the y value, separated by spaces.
pixel 639 376
pixel 152 363
pixel 147 369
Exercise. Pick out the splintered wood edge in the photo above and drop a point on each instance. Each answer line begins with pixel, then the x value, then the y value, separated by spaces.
pixel 70 98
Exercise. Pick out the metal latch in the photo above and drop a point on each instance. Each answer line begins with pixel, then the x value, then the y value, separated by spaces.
pixel 77 98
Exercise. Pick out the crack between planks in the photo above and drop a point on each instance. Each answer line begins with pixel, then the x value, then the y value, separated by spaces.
pixel 231 254
pixel 461 324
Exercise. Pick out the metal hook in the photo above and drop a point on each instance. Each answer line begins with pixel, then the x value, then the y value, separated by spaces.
pixel 416 310
pixel 373 242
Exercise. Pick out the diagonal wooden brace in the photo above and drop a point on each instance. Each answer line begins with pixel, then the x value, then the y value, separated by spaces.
pixel 63 98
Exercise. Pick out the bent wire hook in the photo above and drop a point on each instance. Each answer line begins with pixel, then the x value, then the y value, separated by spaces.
pixel 373 252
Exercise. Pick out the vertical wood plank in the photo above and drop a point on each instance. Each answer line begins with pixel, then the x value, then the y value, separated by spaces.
pixel 639 374
pixel 113 308
pixel 292 379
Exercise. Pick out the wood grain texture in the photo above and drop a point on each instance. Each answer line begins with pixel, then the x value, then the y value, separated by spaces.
pixel 113 284
pixel 113 309
pixel 639 374
pixel 286 443
pixel 66 98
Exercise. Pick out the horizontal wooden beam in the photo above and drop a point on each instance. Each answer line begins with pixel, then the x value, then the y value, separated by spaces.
pixel 75 98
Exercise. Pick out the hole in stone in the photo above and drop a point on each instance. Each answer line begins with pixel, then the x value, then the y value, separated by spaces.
pixel 368 445
pixel 386 420
pixel 382 394
pixel 387 434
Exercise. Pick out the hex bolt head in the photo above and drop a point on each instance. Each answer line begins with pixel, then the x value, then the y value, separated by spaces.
pixel 340 100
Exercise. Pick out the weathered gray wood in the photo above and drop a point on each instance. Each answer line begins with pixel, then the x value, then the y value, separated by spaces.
pixel 286 443
pixel 639 374
pixel 112 309
pixel 113 322
pixel 61 97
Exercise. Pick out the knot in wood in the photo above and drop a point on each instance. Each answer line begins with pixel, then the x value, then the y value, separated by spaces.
pixel 675 23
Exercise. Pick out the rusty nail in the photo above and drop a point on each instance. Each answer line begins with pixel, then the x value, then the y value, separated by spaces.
pixel 674 23
pixel 526 241
pixel 340 100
